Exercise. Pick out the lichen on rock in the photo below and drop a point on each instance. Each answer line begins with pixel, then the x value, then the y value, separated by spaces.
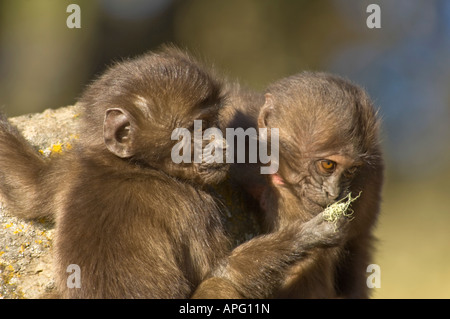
pixel 25 246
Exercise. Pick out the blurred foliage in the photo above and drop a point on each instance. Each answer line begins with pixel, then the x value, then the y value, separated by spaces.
pixel 405 66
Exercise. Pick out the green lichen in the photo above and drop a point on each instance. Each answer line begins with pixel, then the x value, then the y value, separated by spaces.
pixel 341 208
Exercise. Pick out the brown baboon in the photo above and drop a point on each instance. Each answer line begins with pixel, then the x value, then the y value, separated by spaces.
pixel 329 147
pixel 137 224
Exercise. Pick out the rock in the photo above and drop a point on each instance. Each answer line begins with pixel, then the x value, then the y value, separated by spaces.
pixel 25 246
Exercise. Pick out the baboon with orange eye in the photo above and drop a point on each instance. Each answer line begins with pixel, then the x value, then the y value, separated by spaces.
pixel 137 224
pixel 328 147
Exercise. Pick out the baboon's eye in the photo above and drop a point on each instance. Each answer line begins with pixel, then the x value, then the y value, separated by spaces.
pixel 326 166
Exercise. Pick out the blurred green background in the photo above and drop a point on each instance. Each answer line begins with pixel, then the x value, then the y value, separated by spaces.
pixel 405 66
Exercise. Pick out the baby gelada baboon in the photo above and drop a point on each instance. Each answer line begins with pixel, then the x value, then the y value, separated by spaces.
pixel 328 148
pixel 133 222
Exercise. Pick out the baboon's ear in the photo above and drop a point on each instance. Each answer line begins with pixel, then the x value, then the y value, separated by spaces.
pixel 119 130
pixel 265 111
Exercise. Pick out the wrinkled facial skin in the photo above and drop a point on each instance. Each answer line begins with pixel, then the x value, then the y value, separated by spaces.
pixel 317 172
pixel 324 180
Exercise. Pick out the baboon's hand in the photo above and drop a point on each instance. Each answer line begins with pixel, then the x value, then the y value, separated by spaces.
pixel 318 232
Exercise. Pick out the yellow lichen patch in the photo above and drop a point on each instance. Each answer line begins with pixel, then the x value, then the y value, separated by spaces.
pixel 56 148
pixel 341 208
pixel 7 286
pixel 7 274
pixel 16 228
pixel 47 236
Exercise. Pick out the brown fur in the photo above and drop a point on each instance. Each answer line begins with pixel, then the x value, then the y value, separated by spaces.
pixel 320 116
pixel 126 220
pixel 136 224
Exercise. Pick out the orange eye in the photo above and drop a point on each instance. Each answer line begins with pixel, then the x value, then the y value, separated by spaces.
pixel 327 166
